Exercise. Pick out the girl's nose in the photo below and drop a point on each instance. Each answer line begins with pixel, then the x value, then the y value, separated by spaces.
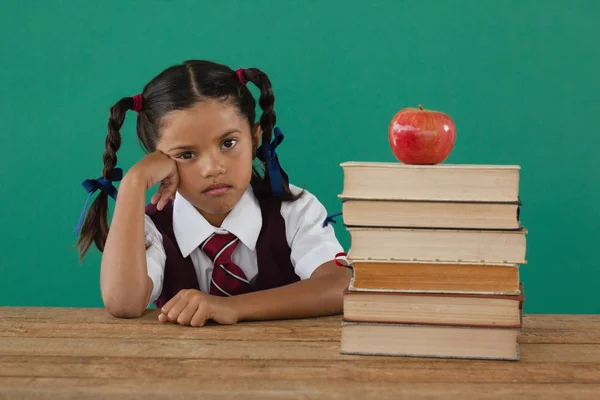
pixel 212 165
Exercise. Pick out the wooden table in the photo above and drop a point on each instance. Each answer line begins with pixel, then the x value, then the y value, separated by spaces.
pixel 53 353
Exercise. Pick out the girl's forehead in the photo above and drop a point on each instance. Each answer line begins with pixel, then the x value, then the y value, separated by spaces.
pixel 205 120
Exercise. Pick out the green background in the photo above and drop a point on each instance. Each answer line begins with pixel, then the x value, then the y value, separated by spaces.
pixel 519 78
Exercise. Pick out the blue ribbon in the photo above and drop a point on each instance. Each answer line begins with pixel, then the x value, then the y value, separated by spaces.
pixel 266 153
pixel 104 184
pixel 330 219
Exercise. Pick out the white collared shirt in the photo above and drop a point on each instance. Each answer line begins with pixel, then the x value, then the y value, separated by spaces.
pixel 311 245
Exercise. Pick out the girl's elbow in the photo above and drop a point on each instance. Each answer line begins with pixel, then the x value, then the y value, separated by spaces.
pixel 124 312
pixel 123 308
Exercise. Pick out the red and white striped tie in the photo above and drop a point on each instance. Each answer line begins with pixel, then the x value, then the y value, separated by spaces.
pixel 227 278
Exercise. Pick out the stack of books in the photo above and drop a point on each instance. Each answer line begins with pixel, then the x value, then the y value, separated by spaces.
pixel 435 252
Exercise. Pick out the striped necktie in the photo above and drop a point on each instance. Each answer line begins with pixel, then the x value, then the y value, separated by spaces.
pixel 227 278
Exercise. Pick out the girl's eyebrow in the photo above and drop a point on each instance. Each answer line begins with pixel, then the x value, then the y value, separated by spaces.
pixel 229 132
pixel 182 147
pixel 189 147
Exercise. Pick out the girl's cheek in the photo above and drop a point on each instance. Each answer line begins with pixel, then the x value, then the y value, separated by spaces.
pixel 185 170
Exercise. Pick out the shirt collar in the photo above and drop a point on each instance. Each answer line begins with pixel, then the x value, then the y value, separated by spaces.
pixel 191 228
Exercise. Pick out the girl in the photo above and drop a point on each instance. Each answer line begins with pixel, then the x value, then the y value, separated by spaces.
pixel 219 240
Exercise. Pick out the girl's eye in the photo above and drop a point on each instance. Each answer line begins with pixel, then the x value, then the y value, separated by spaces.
pixel 185 156
pixel 229 144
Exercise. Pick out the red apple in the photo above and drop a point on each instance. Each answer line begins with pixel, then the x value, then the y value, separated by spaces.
pixel 419 136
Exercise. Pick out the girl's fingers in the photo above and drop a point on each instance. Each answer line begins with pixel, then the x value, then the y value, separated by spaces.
pixel 201 316
pixel 173 314
pixel 169 304
pixel 164 198
pixel 187 313
pixel 167 190
pixel 163 317
pixel 156 196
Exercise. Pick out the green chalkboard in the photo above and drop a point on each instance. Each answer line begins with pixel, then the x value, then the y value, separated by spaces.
pixel 519 78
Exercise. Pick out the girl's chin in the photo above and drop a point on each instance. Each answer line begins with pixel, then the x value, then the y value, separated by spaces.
pixel 221 205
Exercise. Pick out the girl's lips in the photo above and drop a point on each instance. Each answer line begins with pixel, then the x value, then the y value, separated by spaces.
pixel 216 189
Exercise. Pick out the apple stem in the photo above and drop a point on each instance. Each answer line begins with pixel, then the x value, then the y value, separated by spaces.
pixel 420 107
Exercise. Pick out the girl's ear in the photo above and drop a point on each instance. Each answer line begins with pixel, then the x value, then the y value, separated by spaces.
pixel 256 133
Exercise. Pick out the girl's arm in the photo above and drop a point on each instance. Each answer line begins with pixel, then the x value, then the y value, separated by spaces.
pixel 124 282
pixel 319 295
pixel 125 285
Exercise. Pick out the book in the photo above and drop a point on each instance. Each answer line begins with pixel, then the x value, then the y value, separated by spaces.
pixel 434 308
pixel 429 341
pixel 431 214
pixel 441 182
pixel 435 277
pixel 437 245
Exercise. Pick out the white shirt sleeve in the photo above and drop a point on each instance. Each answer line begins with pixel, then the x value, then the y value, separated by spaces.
pixel 155 258
pixel 311 245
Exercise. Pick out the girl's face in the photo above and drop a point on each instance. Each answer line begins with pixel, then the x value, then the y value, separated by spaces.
pixel 213 147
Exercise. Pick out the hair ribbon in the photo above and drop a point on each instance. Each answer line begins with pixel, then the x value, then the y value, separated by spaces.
pixel 103 184
pixel 266 153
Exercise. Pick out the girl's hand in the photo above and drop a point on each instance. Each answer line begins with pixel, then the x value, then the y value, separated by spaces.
pixel 193 307
pixel 154 168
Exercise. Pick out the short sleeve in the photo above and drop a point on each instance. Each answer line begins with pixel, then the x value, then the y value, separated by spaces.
pixel 155 258
pixel 311 244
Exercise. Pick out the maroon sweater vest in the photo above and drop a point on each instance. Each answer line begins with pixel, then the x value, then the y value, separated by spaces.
pixel 272 251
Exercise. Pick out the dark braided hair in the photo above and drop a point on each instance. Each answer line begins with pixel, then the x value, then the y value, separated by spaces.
pixel 180 87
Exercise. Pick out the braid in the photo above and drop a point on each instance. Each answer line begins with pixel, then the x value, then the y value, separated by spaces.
pixel 95 225
pixel 268 120
pixel 113 139
pixel 266 100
